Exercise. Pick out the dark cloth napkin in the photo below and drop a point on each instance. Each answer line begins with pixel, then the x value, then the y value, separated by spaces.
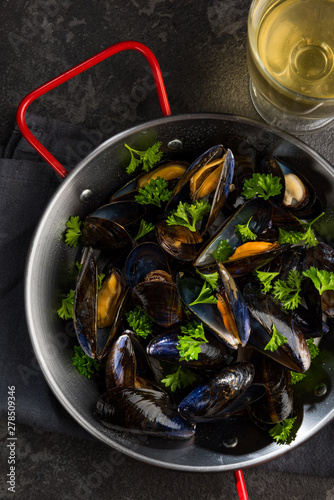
pixel 27 182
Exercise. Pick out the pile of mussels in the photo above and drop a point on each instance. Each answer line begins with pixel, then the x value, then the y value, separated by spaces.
pixel 233 373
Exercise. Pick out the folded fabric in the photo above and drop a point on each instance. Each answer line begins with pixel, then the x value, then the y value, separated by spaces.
pixel 27 183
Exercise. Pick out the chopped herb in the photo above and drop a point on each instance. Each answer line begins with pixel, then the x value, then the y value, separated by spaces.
pixel 313 348
pixel 281 431
pixel 297 377
pixel 223 251
pixel 205 296
pixel 154 192
pixel 66 309
pixel 179 378
pixel 211 278
pixel 140 322
pixel 100 279
pixel 245 233
pixel 189 345
pixel 266 279
pixel 73 232
pixel 322 280
pixel 276 340
pixel 148 158
pixel 292 237
pixel 78 265
pixel 288 292
pixel 144 228
pixel 85 365
pixel 196 211
pixel 262 185
pixel 309 237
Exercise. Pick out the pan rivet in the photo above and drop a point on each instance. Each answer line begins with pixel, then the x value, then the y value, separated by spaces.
pixel 85 195
pixel 320 390
pixel 230 442
pixel 175 145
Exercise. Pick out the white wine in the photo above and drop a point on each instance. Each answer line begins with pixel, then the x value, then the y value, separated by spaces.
pixel 295 42
pixel 291 58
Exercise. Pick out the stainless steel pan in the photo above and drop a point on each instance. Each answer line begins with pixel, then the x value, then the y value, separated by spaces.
pixel 227 446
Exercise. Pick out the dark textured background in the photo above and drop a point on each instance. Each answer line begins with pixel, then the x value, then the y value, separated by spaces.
pixel 200 46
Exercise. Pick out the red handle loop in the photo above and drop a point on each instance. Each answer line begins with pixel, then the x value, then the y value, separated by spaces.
pixel 241 485
pixel 79 68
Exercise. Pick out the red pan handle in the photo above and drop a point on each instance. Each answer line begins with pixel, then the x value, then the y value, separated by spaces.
pixel 79 68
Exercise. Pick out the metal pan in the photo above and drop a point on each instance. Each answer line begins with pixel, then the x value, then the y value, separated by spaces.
pixel 236 443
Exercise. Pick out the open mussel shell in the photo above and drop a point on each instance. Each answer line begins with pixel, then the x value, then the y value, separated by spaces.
pixel 210 175
pixel 236 303
pixel 214 353
pixel 95 341
pixel 142 411
pixel 277 403
pixel 261 213
pixel 268 312
pixel 223 395
pixel 178 241
pixel 188 288
pixel 170 171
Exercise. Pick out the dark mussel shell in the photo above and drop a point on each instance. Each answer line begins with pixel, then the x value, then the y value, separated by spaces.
pixel 236 303
pixel 189 288
pixel 223 395
pixel 214 353
pixel 259 210
pixel 178 241
pixel 277 403
pixel 268 312
pixel 93 340
pixel 193 184
pixel 143 259
pixel 142 411
pixel 110 225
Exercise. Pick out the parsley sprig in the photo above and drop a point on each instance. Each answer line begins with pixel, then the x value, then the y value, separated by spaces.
pixel 323 280
pixel 154 192
pixel 67 303
pixel 206 296
pixel 144 228
pixel 223 251
pixel 73 232
pixel 148 159
pixel 314 351
pixel 288 292
pixel 189 215
pixel 179 378
pixel 281 432
pixel 262 185
pixel 245 232
pixel 190 342
pixel 85 365
pixel 265 278
pixel 276 340
pixel 140 322
pixel 306 237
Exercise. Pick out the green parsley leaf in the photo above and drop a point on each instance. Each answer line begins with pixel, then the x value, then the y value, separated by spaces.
pixel 245 233
pixel 309 237
pixel 196 211
pixel 313 348
pixel 223 251
pixel 297 377
pixel 148 158
pixel 292 237
pixel 78 265
pixel 276 340
pixel 179 378
pixel 100 278
pixel 281 431
pixel 211 278
pixel 85 365
pixel 189 345
pixel 323 280
pixel 266 279
pixel 289 292
pixel 262 185
pixel 205 296
pixel 66 309
pixel 140 322
pixel 73 232
pixel 144 228
pixel 154 192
